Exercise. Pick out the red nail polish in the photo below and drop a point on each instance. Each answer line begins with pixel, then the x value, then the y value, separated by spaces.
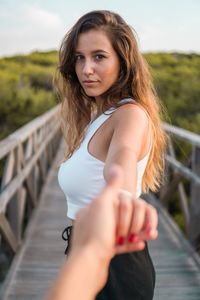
pixel 120 240
pixel 132 238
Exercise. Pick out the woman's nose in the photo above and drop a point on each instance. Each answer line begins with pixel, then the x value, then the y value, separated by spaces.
pixel 88 67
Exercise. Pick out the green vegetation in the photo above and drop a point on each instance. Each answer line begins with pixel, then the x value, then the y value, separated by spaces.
pixel 177 80
pixel 25 88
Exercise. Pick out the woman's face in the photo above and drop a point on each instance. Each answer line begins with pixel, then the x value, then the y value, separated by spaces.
pixel 97 64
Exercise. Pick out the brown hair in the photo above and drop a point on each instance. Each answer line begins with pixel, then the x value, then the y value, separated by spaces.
pixel 133 81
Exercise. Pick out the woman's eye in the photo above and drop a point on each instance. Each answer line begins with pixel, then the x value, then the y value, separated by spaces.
pixel 79 57
pixel 99 56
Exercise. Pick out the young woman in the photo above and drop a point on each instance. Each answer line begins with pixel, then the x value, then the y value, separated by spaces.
pixel 110 115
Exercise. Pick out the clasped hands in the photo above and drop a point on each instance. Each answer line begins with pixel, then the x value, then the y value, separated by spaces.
pixel 114 222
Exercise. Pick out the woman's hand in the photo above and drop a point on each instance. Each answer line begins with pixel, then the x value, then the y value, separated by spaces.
pixel 136 222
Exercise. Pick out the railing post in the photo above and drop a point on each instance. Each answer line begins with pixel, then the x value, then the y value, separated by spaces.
pixel 194 228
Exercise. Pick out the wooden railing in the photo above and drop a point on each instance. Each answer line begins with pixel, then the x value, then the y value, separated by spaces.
pixel 184 177
pixel 25 157
pixel 27 154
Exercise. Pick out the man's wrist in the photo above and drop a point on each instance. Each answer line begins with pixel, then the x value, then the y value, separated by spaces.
pixel 90 253
pixel 95 264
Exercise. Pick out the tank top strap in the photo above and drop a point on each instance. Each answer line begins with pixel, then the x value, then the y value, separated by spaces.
pixel 95 124
pixel 126 100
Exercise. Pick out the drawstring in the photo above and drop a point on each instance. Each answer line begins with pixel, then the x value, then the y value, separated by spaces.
pixel 66 236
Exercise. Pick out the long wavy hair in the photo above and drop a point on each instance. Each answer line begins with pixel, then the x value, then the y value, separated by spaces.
pixel 134 81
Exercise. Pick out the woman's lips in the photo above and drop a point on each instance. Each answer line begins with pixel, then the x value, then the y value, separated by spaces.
pixel 90 82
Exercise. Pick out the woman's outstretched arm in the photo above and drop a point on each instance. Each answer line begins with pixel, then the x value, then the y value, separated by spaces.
pixel 129 143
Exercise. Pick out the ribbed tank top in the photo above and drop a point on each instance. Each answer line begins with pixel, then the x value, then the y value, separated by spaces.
pixel 81 176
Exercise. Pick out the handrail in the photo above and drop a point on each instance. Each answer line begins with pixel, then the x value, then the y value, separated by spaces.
pixel 25 157
pixel 179 167
pixel 190 204
pixel 20 135
pixel 183 134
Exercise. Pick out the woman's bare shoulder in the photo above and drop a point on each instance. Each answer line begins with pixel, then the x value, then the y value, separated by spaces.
pixel 131 113
pixel 130 129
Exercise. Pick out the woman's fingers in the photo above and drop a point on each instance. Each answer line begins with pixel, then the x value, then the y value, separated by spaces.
pixel 130 247
pixel 138 218
pixel 137 222
pixel 151 217
pixel 149 231
pixel 124 218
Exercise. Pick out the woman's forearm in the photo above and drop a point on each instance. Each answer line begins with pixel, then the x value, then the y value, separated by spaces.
pixel 127 160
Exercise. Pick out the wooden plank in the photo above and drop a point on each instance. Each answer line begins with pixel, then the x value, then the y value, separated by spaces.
pixel 29 148
pixel 8 233
pixel 181 190
pixel 183 134
pixel 194 230
pixel 30 188
pixel 8 170
pixel 19 213
pixel 179 167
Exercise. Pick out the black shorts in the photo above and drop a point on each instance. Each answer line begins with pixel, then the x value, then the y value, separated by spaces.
pixel 131 276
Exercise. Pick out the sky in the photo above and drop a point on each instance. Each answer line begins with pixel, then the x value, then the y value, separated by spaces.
pixel 161 25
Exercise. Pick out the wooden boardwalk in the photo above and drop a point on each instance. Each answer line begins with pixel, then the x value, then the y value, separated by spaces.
pixel 42 253
pixel 177 265
pixel 38 262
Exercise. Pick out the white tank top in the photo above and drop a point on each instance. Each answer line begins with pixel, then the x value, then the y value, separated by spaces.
pixel 81 176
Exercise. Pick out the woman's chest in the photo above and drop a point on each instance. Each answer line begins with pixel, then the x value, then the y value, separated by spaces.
pixel 99 142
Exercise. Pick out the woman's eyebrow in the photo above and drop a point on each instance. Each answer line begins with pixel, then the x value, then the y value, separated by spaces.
pixel 100 50
pixel 93 52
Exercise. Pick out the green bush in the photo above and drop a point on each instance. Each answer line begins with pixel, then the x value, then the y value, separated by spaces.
pixel 25 88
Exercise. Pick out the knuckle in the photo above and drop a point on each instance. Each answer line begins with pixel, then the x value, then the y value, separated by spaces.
pixel 125 206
